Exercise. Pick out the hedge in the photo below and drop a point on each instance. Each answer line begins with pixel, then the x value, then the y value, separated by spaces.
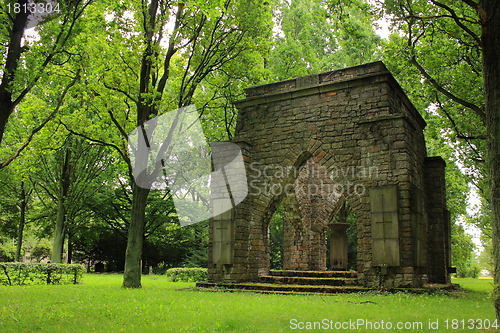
pixel 20 273
pixel 187 274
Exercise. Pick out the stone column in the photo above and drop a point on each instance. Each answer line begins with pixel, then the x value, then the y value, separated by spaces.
pixel 228 241
pixel 436 214
pixel 296 237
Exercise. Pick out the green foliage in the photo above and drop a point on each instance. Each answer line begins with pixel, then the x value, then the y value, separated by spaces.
pixel 187 274
pixel 7 252
pixel 485 258
pixel 9 201
pixel 318 35
pixel 462 249
pixel 276 236
pixel 481 219
pixel 425 35
pixel 103 235
pixel 42 250
pixel 197 254
pixel 468 271
pixel 17 273
pixel 352 241
pixel 160 269
pixel 176 246
pixel 142 60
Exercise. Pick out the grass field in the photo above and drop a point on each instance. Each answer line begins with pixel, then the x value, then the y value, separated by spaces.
pixel 101 305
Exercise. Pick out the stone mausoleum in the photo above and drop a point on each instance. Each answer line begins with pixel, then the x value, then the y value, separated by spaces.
pixel 314 144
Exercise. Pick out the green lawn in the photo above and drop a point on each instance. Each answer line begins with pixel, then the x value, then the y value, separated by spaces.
pixel 101 305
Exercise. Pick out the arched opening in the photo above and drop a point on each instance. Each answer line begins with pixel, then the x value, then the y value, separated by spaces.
pixel 282 213
pixel 283 236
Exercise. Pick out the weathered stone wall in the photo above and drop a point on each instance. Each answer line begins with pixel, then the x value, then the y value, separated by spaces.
pixel 439 224
pixel 357 125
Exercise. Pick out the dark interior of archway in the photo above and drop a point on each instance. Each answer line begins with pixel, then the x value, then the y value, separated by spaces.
pixel 346 215
pixel 276 237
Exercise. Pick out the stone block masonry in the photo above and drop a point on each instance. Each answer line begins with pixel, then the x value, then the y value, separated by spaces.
pixel 316 142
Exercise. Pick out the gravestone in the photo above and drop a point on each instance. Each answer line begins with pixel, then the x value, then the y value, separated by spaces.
pixel 385 226
pixel 338 246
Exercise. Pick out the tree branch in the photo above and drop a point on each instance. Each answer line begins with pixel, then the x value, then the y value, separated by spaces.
pixel 53 197
pixel 44 122
pixel 455 127
pixel 458 22
pixel 432 17
pixel 120 91
pixel 118 227
pixel 445 92
pixel 125 192
pixel 48 59
pixel 122 154
pixel 171 51
pixel 117 124
pixel 479 9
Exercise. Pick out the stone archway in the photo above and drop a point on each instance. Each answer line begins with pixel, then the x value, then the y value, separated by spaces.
pixel 357 127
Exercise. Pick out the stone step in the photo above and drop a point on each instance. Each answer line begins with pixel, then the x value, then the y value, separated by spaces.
pixel 319 274
pixel 270 288
pixel 281 289
pixel 316 281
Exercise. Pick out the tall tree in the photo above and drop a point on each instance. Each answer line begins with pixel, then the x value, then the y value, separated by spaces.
pixel 16 195
pixel 454 46
pixel 23 204
pixel 69 176
pixel 148 57
pixel 489 13
pixel 14 198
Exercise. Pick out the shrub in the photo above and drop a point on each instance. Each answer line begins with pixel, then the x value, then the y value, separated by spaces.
pixel 187 274
pixel 468 271
pixel 19 273
pixel 43 250
pixel 160 269
pixel 7 252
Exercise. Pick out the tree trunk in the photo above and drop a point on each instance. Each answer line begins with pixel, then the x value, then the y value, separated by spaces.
pixel 5 111
pixel 11 62
pixel 22 221
pixel 145 108
pixel 133 254
pixel 70 248
pixel 57 245
pixel 491 75
pixel 64 182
